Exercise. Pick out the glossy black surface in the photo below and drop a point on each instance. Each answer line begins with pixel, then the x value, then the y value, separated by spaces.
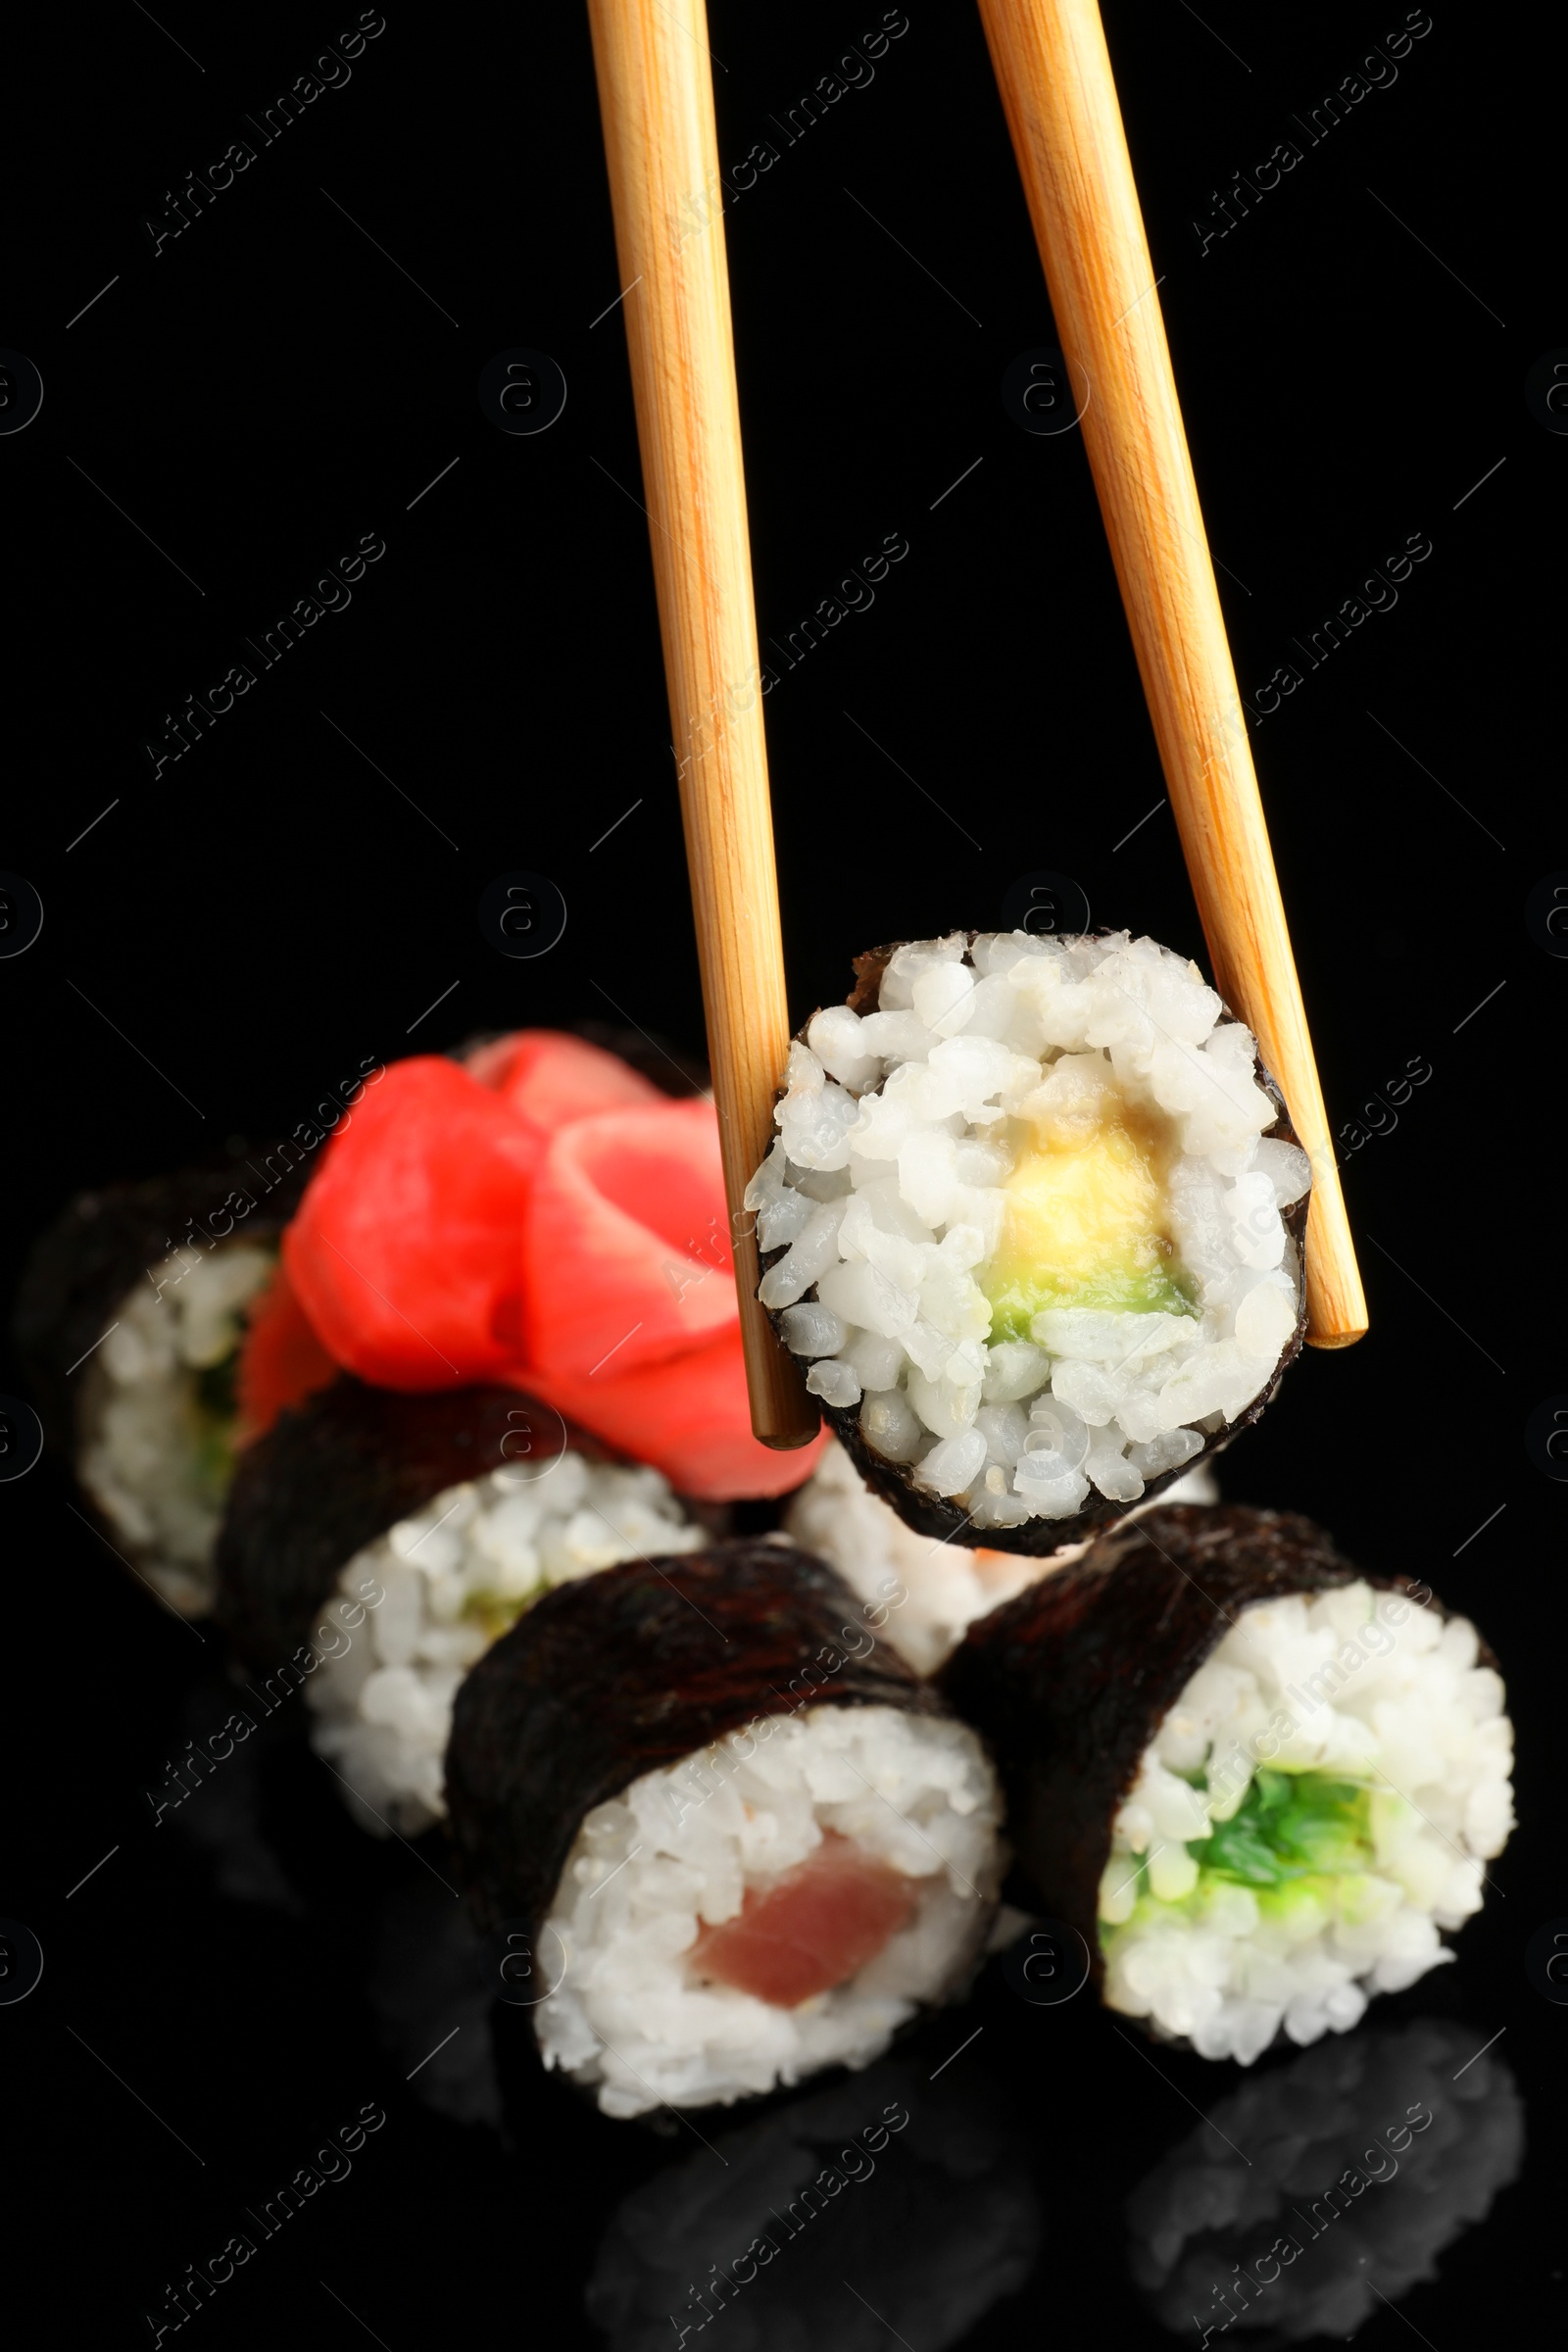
pixel 227 937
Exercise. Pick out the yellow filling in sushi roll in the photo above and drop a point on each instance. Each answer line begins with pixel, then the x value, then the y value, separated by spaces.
pixel 1085 1220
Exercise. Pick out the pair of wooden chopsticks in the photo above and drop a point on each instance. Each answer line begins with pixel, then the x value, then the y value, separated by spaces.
pixel 657 98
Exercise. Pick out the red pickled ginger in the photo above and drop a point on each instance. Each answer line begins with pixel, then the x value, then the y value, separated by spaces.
pixel 281 1361
pixel 542 1216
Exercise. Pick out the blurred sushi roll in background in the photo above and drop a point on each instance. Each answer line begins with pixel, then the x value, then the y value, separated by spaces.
pixel 950 2230
pixel 1034 1215
pixel 130 1321
pixel 1363 2160
pixel 1259 1782
pixel 920 1592
pixel 430 1522
pixel 916 1592
pixel 743 1839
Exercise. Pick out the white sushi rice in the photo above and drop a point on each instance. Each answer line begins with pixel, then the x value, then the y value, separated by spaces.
pixel 898 1131
pixel 922 1591
pixel 153 1458
pixel 456 1575
pixel 652 1866
pixel 1371 1689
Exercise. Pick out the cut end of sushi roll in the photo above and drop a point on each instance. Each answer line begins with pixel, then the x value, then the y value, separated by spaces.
pixel 1262 1781
pixel 1034 1215
pixel 438 1587
pixel 334 1475
pixel 746 1840
pixel 131 1320
pixel 921 1593
pixel 1318 1806
pixel 837 1876
pixel 159 1414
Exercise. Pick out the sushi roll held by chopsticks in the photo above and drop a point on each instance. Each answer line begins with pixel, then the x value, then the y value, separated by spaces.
pixel 1034 1216
pixel 1259 1782
pixel 743 1840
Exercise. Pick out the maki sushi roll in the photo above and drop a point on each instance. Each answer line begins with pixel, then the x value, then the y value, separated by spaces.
pixel 430 1522
pixel 920 1592
pixel 1034 1215
pixel 1260 1783
pixel 132 1319
pixel 743 1840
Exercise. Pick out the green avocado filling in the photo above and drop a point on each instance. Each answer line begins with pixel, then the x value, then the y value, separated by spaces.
pixel 1085 1226
pixel 1296 1837
pixel 1014 1303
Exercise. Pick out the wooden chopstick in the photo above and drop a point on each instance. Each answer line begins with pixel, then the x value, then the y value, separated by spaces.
pixel 656 97
pixel 1060 102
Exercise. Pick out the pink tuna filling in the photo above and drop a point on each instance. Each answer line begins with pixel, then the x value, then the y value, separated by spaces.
pixel 813 1928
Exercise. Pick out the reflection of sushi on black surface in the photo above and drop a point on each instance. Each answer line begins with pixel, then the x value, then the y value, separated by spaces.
pixel 432 2002
pixel 742 1840
pixel 882 2204
pixel 1329 2187
pixel 1035 1215
pixel 1258 1782
pixel 129 1321
pixel 416 1528
pixel 213 1794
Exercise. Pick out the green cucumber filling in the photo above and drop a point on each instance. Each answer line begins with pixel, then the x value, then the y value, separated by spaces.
pixel 454 1577
pixel 158 1413
pixel 1240 1897
pixel 1290 1828
pixel 214 1421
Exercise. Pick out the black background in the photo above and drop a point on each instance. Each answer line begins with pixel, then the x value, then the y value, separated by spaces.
pixel 256 920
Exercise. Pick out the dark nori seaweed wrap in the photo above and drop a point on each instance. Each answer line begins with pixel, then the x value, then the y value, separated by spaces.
pixel 936 1516
pixel 102 1246
pixel 1069 1682
pixel 331 1475
pixel 635 1667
